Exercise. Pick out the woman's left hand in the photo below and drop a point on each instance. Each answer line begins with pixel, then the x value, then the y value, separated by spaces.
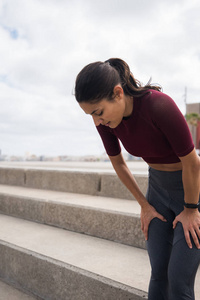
pixel 190 220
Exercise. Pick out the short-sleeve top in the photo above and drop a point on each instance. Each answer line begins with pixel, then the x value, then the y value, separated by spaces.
pixel 156 131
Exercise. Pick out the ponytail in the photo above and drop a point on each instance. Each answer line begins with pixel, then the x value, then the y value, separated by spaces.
pixel 131 86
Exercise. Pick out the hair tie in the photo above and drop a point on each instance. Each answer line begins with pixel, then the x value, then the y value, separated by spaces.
pixel 107 62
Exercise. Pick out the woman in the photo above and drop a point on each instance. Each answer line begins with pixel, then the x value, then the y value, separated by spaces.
pixel 149 125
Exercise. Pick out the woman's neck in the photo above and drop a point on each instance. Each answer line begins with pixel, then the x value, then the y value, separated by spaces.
pixel 128 106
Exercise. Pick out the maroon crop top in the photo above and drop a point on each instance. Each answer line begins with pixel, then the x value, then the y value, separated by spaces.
pixel 155 131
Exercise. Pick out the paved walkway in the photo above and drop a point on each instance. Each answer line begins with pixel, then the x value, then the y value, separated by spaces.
pixel 136 167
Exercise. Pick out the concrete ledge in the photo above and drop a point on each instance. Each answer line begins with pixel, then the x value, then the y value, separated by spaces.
pixel 118 227
pixel 115 226
pixel 51 279
pixel 107 185
pixel 9 292
pixel 12 176
pixel 111 186
pixel 72 182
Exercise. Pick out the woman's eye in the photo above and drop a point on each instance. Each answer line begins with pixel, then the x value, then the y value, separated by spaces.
pixel 100 114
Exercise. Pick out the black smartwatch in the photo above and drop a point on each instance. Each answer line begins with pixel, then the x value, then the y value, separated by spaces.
pixel 191 205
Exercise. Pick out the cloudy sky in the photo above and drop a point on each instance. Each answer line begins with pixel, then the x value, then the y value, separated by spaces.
pixel 45 43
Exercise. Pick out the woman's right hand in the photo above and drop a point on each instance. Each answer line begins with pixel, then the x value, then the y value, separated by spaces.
pixel 148 213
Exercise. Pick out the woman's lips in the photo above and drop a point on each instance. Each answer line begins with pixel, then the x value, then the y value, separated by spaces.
pixel 107 124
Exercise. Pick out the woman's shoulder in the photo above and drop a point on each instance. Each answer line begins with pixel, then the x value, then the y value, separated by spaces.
pixel 155 103
pixel 154 94
pixel 157 99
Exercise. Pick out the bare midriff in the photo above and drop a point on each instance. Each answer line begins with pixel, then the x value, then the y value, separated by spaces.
pixel 167 167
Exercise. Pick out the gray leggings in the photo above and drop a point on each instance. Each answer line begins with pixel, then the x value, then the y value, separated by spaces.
pixel 173 264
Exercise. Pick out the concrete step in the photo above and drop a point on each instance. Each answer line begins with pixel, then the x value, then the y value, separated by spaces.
pixel 91 183
pixel 8 292
pixel 137 167
pixel 109 218
pixel 53 263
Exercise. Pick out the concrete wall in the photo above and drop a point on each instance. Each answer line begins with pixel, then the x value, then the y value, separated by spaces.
pixel 50 279
pixel 107 185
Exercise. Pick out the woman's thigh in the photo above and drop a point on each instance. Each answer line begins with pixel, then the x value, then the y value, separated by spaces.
pixel 159 246
pixel 160 234
pixel 183 266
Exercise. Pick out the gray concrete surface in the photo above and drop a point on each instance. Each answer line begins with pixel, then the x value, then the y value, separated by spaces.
pixel 12 176
pixel 53 280
pixel 91 183
pixel 98 202
pixel 113 219
pixel 126 265
pixel 136 167
pixel 111 186
pixel 8 292
pixel 58 264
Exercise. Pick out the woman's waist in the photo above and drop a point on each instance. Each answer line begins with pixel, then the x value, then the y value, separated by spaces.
pixel 166 167
pixel 171 180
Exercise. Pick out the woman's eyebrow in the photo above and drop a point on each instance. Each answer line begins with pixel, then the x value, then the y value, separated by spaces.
pixel 94 111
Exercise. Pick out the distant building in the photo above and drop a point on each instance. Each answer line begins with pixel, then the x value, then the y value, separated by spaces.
pixel 195 130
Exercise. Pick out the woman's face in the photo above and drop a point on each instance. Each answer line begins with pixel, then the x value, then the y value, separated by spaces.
pixel 105 112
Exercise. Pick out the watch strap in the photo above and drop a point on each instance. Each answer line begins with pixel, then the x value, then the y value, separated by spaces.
pixel 191 205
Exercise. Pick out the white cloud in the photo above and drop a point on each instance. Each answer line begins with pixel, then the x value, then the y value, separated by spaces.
pixel 44 44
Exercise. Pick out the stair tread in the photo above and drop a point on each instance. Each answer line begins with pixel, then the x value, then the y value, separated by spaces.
pixel 121 263
pixel 96 202
pixel 10 293
pixel 137 167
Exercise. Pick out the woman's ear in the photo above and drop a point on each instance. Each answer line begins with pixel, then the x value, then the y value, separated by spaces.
pixel 118 91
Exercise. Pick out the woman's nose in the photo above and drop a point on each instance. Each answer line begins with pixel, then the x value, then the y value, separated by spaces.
pixel 97 120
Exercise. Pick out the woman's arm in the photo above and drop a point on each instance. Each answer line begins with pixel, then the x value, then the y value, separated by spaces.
pixel 147 211
pixel 191 177
pixel 190 218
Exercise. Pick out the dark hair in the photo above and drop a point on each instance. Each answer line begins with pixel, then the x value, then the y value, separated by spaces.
pixel 97 81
